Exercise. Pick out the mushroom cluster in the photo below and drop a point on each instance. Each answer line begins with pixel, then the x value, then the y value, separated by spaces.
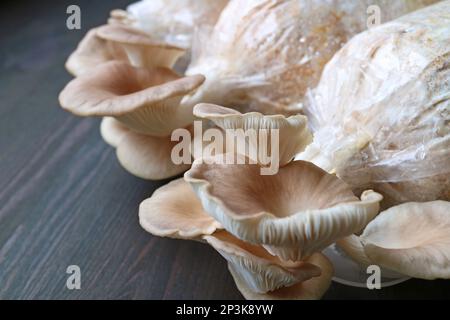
pixel 371 131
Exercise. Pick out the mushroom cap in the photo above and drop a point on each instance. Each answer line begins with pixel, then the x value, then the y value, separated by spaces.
pixel 353 247
pixel 174 211
pixel 293 133
pixel 380 112
pixel 299 211
pixel 311 289
pixel 142 155
pixel 146 100
pixel 91 52
pixel 260 271
pixel 412 239
pixel 112 131
pixel 118 42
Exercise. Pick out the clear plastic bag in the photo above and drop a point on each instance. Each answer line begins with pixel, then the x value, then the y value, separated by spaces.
pixel 263 55
pixel 381 112
pixel 174 21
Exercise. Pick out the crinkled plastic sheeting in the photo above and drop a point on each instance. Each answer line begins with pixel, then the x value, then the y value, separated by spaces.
pixel 381 112
pixel 263 55
pixel 174 21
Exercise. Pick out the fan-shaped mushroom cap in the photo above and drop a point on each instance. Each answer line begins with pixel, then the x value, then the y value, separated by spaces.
pixel 298 211
pixel 260 271
pixel 292 132
pixel 381 110
pixel 116 42
pixel 311 289
pixel 174 211
pixel 264 55
pixel 142 155
pixel 145 100
pixel 412 239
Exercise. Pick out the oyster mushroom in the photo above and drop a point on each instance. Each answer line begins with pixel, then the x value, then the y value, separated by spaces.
pixel 144 156
pixel 412 239
pixel 142 108
pixel 174 211
pixel 112 131
pixel 258 269
pixel 145 100
pixel 307 290
pixel 298 211
pixel 263 55
pixel 117 42
pixel 381 111
pixel 293 134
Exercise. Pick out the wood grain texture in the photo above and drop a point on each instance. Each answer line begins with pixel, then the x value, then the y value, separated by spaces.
pixel 65 200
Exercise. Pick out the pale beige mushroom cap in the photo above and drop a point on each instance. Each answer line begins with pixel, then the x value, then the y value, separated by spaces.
pixel 140 49
pixel 311 289
pixel 112 131
pixel 174 211
pixel 412 239
pixel 299 211
pixel 257 268
pixel 145 100
pixel 122 43
pixel 293 133
pixel 142 155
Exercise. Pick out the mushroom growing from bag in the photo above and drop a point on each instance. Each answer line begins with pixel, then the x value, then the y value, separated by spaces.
pixel 142 107
pixel 381 111
pixel 175 211
pixel 263 55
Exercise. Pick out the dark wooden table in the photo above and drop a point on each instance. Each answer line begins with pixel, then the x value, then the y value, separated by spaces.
pixel 65 200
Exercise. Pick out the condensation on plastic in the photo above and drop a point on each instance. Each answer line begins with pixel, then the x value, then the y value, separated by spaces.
pixel 174 21
pixel 263 55
pixel 381 112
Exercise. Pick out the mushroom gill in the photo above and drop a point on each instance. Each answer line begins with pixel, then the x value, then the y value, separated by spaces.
pixel 175 211
pixel 311 289
pixel 141 107
pixel 258 269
